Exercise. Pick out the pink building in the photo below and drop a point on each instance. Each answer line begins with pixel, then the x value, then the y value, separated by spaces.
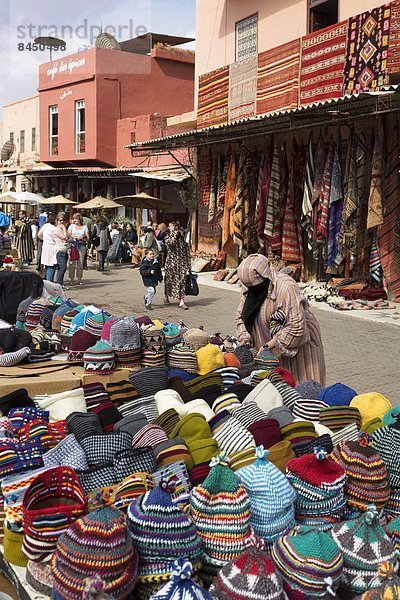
pixel 82 96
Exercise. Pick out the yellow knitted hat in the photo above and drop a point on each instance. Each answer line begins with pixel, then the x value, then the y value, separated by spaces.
pixel 372 425
pixel 13 547
pixel 371 406
pixel 280 454
pixel 209 358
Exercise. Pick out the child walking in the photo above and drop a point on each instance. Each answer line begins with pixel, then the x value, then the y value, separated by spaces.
pixel 150 271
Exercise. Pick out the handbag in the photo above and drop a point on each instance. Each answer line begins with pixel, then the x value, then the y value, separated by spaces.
pixel 74 253
pixel 96 241
pixel 191 285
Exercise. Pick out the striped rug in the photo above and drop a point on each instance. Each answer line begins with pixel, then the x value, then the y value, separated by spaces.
pixel 278 78
pixel 213 98
pixel 323 55
pixel 393 58
pixel 243 89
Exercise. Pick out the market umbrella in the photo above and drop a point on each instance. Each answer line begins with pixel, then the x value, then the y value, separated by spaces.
pixel 142 200
pixel 99 202
pixel 29 198
pixel 10 198
pixel 56 200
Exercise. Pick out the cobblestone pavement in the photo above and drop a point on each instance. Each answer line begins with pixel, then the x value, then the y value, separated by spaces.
pixel 360 353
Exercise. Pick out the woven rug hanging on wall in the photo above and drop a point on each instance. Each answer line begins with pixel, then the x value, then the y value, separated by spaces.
pixel 322 62
pixel 367 51
pixel 243 89
pixel 278 78
pixel 213 98
pixel 208 229
pixel 393 60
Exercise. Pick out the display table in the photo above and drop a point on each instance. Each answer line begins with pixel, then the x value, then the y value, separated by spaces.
pixel 17 577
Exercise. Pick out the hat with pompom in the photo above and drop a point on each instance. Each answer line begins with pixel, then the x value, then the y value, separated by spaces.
pixel 181 586
pixel 251 576
pixel 390 584
pixel 97 544
pixel 364 545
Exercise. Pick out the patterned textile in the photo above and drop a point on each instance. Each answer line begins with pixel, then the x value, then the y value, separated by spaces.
pixel 393 59
pixel 222 183
pixel 276 243
pixel 273 193
pixel 212 207
pixel 230 200
pixel 389 231
pixel 322 62
pixel 308 193
pixel 290 240
pixel 367 48
pixel 335 207
pixel 319 165
pixel 278 78
pixel 298 179
pixel 323 208
pixel 205 174
pixel 375 207
pixel 350 222
pixel 208 229
pixel 242 199
pixel 263 191
pixel 363 183
pixel 242 89
pixel 213 98
pixel 375 267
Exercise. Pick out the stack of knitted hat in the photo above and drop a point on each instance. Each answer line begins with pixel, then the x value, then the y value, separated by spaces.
pixel 367 477
pixel 220 509
pixel 196 338
pixel 126 342
pixel 99 359
pixel 182 356
pixel 153 346
pixel 319 484
pixel 386 442
pixel 271 497
pixel 161 533
pixel 364 545
pixel 310 563
pixel 94 323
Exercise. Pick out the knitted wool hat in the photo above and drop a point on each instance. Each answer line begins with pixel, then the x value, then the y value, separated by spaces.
pixel 23 307
pixel 130 488
pixel 13 545
pixel 309 389
pixel 167 399
pixel 94 323
pixel 132 424
pixel 241 458
pixel 181 374
pixel 153 346
pixel 200 407
pixel 271 497
pixel 390 417
pixel 371 405
pixel 15 399
pixel 286 376
pixel 319 484
pixel 11 359
pixel 80 342
pixel 203 450
pixel 232 436
pixel 323 441
pixel 161 533
pixel 173 334
pixel 251 576
pixel 191 428
pixel 364 545
pixel 226 401
pixel 101 449
pixel 106 331
pixel 181 585
pixel 220 509
pixel 266 432
pixel 173 450
pixel 66 321
pixel 299 432
pixel 149 435
pixel 351 432
pixel 198 386
pixel 231 360
pixel 386 442
pixel 121 392
pixel 146 405
pixel 281 414
pixel 178 479
pixel 337 395
pixel 83 424
pixel 308 410
pixel 99 359
pixel 125 334
pixel 265 395
pixel 53 501
pixel 309 562
pixel 367 477
pixel 209 357
pixel 67 453
pixel 289 395
pixel 96 544
pixel 390 584
pixel 79 320
pixel 266 360
pixel 280 454
pixel 149 381
pixel 182 356
pixel 196 338
pixel 372 425
pixel 167 420
pixel 38 576
pixel 338 417
pixel 393 532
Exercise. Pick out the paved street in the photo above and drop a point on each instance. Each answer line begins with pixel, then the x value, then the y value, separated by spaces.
pixel 360 353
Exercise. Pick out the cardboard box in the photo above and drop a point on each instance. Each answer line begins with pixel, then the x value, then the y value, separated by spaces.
pixel 118 375
pixel 50 383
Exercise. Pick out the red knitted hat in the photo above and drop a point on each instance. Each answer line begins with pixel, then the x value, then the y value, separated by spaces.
pixel 231 360
pixel 286 376
pixel 316 469
pixel 266 432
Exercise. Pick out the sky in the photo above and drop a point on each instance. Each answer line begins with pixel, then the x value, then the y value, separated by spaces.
pixel 77 22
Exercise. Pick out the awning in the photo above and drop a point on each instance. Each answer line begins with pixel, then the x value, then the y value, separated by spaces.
pixel 330 113
pixel 176 174
pixel 81 173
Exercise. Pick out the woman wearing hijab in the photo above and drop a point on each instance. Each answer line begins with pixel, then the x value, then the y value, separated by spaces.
pixel 274 315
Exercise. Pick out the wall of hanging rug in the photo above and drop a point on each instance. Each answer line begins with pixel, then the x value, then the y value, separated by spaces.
pixel 328 200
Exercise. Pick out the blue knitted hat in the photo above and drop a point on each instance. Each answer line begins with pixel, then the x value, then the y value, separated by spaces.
pixel 80 319
pixel 337 394
pixel 271 497
pixel 173 334
pixel 309 389
pixel 181 586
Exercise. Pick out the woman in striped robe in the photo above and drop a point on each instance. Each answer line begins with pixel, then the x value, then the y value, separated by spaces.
pixel 274 314
pixel 24 238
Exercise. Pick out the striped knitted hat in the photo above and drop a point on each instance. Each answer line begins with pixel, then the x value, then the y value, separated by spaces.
pixel 153 346
pixel 196 338
pixel 146 405
pixel 11 359
pixel 167 420
pixel 286 376
pixel 161 533
pixel 393 532
pixel 220 509
pixel 181 586
pixel 173 334
pixel 338 417
pixel 125 334
pixel 149 381
pixel 266 360
pixel 96 544
pixel 149 435
pixel 99 359
pixel 182 356
pixel 23 307
pixel 21 416
pixel 248 414
pixel 323 441
pixel 232 436
pixel 367 476
pixel 251 576
pixel 106 331
pixel 177 475
pixel 83 424
pixel 364 545
pixel 308 410
pixel 271 497
pixel 67 320
pixel 171 451
pixel 94 323
pixel 349 433
pixel 53 501
pixel 390 584
pixel 289 395
pixel 309 562
pixel 130 488
pixel 386 442
pixel 371 405
pixel 120 392
pixel 197 386
pixel 33 313
pixel 337 395
pixel 132 424
pixel 319 484
pixel 299 432
pixel 80 342
pixel 241 458
pixel 79 320
pixel 230 375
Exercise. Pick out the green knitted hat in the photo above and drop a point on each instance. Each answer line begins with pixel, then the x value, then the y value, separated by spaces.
pixel 191 427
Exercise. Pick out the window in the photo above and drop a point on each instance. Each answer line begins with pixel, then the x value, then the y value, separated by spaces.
pixel 12 136
pixel 80 126
pixel 22 140
pixel 247 38
pixel 322 13
pixel 33 142
pixel 54 130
